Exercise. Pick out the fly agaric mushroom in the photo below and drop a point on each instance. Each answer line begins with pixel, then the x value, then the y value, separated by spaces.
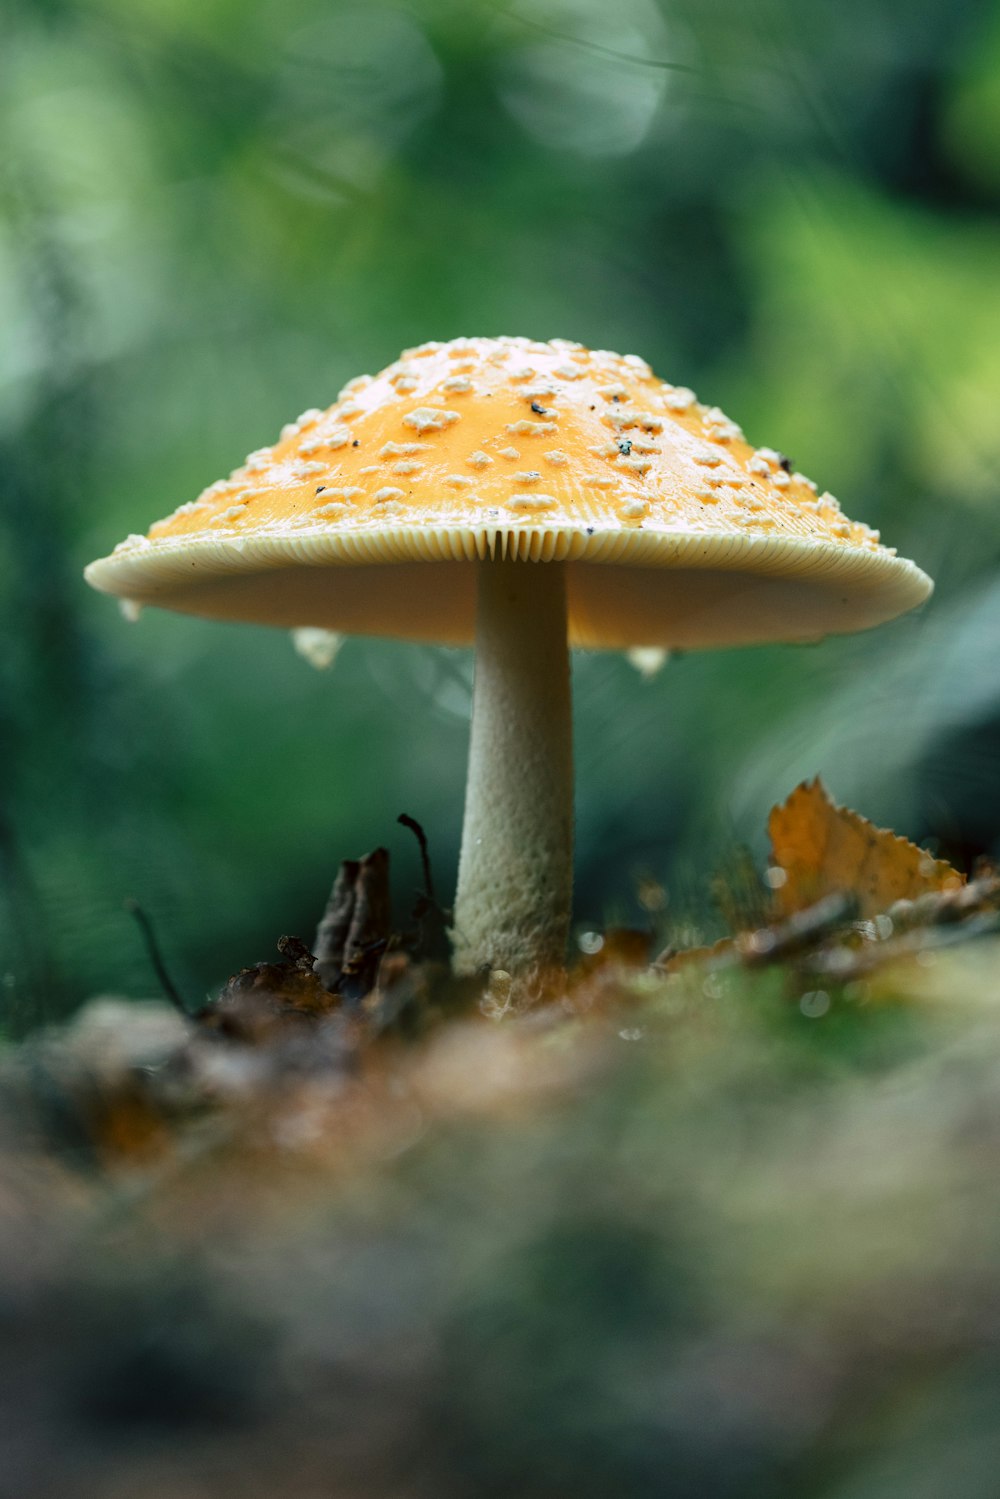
pixel 527 496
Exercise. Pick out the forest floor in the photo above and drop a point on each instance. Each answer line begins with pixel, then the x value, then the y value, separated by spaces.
pixel 722 1223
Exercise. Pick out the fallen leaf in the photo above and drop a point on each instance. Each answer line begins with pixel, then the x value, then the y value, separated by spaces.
pixel 819 849
pixel 617 947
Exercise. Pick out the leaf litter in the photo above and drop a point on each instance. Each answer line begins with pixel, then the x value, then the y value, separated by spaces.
pixel 844 897
pixel 840 906
pixel 342 1205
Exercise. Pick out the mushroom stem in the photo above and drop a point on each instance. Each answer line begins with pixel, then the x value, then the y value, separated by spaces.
pixel 515 872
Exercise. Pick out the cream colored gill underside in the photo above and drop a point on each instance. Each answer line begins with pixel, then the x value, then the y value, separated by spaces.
pixel 625 587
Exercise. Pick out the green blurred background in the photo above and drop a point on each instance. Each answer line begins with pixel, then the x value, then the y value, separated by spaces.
pixel 213 213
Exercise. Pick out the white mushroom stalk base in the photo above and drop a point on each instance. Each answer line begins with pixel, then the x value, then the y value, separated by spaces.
pixel 515 873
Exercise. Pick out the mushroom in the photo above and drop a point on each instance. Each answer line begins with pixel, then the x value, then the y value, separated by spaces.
pixel 528 497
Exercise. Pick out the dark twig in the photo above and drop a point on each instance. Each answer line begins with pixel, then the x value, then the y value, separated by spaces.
pixel 432 917
pixel 156 957
pixel 425 858
pixel 845 964
pixel 797 933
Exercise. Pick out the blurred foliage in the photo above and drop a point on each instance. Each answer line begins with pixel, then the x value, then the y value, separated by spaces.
pixel 213 213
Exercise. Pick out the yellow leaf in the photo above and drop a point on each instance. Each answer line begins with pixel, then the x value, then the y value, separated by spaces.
pixel 820 848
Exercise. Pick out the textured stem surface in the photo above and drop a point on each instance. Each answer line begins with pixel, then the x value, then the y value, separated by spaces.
pixel 515 873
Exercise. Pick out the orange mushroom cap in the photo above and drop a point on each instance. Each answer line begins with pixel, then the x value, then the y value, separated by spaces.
pixel 369 517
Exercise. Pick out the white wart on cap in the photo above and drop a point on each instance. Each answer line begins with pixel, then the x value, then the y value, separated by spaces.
pixel 368 517
pixel 529 496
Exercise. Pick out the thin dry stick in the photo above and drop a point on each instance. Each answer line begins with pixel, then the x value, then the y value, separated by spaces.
pixel 431 916
pixel 156 957
pixel 425 858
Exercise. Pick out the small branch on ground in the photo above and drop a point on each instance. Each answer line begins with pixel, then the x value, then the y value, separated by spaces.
pixel 432 918
pixel 156 957
pixel 415 828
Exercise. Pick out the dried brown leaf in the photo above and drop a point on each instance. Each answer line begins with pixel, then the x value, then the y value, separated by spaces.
pixel 822 849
